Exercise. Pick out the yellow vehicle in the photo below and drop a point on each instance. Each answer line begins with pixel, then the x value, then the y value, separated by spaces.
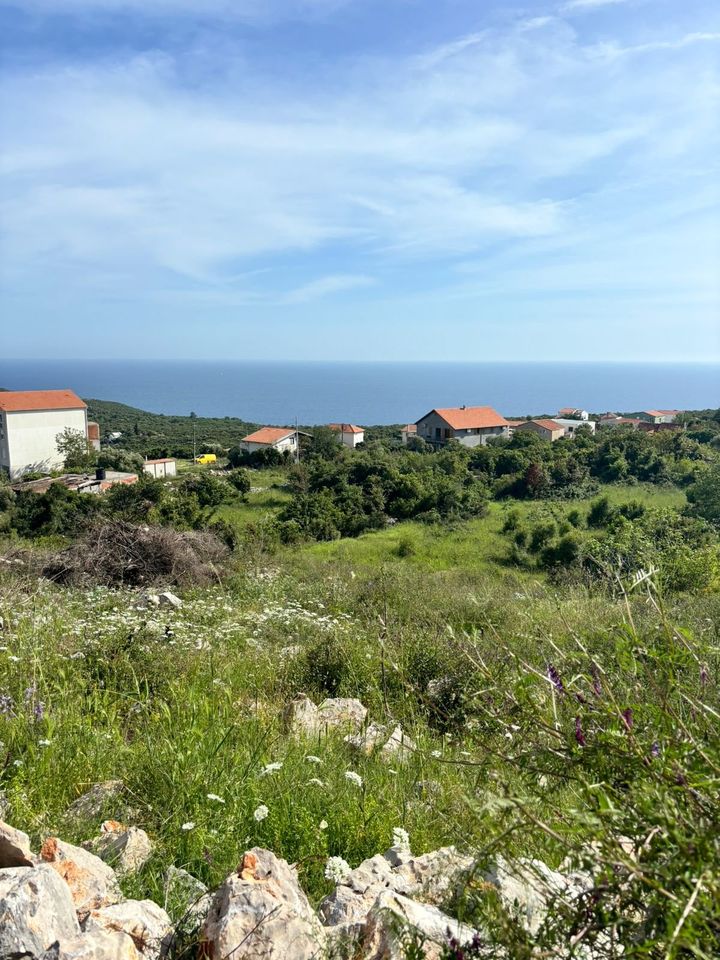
pixel 206 458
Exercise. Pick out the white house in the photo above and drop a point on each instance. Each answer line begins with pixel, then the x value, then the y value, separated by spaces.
pixel 571 426
pixel 659 416
pixel 409 430
pixel 573 413
pixel 470 426
pixel 30 421
pixel 279 438
pixel 161 468
pixel 349 434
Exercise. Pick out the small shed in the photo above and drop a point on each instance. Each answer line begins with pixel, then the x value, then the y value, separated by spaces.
pixel 161 468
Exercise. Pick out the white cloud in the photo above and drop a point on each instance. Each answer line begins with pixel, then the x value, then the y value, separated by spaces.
pixel 244 10
pixel 326 286
pixel 590 4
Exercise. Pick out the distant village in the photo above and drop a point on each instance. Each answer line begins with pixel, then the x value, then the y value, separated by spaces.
pixel 32 420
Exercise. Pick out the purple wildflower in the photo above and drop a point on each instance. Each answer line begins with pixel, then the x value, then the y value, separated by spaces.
pixel 597 688
pixel 627 716
pixel 655 749
pixel 579 735
pixel 703 674
pixel 7 705
pixel 555 678
pixel 39 710
pixel 30 693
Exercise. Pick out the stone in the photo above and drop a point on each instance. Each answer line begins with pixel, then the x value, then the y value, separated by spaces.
pixel 343 940
pixel 260 912
pixel 399 747
pixel 525 888
pixel 433 877
pixel 14 847
pixel 94 945
pixel 96 800
pixel 301 716
pixel 92 882
pixel 341 713
pixel 146 924
pixel 394 916
pixel 168 599
pixel 36 909
pixel 126 849
pixel 368 740
pixel 186 895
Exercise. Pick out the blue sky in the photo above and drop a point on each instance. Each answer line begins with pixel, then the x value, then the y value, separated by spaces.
pixel 355 179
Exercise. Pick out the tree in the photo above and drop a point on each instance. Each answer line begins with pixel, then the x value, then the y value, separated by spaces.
pixel 75 449
pixel 704 496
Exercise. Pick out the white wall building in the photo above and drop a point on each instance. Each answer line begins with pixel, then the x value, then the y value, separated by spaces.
pixel 571 427
pixel 280 438
pixel 348 434
pixel 161 468
pixel 30 421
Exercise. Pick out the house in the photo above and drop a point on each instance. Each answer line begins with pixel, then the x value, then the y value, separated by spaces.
pixel 546 429
pixel 513 425
pixel 659 416
pixel 471 426
pixel 30 421
pixel 161 468
pixel 615 420
pixel 647 427
pixel 277 438
pixel 102 481
pixel 573 413
pixel 349 434
pixel 409 430
pixel 571 426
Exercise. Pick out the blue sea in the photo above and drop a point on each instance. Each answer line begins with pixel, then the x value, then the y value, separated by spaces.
pixel 369 393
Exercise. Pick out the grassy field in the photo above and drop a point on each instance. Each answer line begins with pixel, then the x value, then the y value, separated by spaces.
pixel 543 718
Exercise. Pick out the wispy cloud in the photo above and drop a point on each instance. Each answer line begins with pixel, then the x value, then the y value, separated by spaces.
pixel 519 149
pixel 590 4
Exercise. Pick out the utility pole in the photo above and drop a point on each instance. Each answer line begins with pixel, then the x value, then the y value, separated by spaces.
pixel 193 417
pixel 297 442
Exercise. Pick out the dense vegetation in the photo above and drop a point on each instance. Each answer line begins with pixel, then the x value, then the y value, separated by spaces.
pixel 551 647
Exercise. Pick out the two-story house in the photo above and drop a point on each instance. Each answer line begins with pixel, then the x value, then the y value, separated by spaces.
pixel 471 426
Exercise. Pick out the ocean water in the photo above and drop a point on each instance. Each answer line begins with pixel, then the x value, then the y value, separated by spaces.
pixel 368 393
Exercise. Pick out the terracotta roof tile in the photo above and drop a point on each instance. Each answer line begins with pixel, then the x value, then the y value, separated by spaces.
pixel 268 435
pixel 470 418
pixel 346 427
pixel 21 400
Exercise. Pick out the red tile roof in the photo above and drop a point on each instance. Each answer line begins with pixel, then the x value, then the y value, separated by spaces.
pixel 410 428
pixel 268 435
pixel 548 424
pixel 567 410
pixel 470 418
pixel 14 401
pixel 346 427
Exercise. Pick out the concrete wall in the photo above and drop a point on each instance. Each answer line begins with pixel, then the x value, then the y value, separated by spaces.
pixel 352 439
pixel 543 432
pixel 571 426
pixel 29 442
pixel 159 470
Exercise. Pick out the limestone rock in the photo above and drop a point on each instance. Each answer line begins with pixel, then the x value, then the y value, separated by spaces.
pixel 368 740
pixel 14 847
pixel 96 800
pixel 187 895
pixel 433 876
pixel 351 901
pixel 94 945
pixel 393 916
pixel 36 909
pixel 144 922
pixel 126 849
pixel 399 747
pixel 168 599
pixel 301 716
pixel 341 713
pixel 260 912
pixel 92 882
pixel 525 887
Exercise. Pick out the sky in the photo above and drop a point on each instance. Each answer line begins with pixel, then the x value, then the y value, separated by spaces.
pixel 360 179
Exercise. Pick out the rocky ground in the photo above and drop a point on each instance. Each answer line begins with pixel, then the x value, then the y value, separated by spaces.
pixel 64 902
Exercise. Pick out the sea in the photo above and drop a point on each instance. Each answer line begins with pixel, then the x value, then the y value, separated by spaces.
pixel 370 392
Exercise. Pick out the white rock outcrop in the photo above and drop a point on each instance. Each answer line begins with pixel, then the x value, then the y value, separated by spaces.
pixel 260 912
pixel 36 909
pixel 14 847
pixel 92 883
pixel 148 925
pixel 126 849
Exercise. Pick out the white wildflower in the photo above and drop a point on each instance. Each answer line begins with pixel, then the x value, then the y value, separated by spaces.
pixel 354 778
pixel 401 838
pixel 314 782
pixel 215 797
pixel 270 768
pixel 261 813
pixel 313 759
pixel 44 743
pixel 436 753
pixel 337 869
pixel 188 826
pixel 323 825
